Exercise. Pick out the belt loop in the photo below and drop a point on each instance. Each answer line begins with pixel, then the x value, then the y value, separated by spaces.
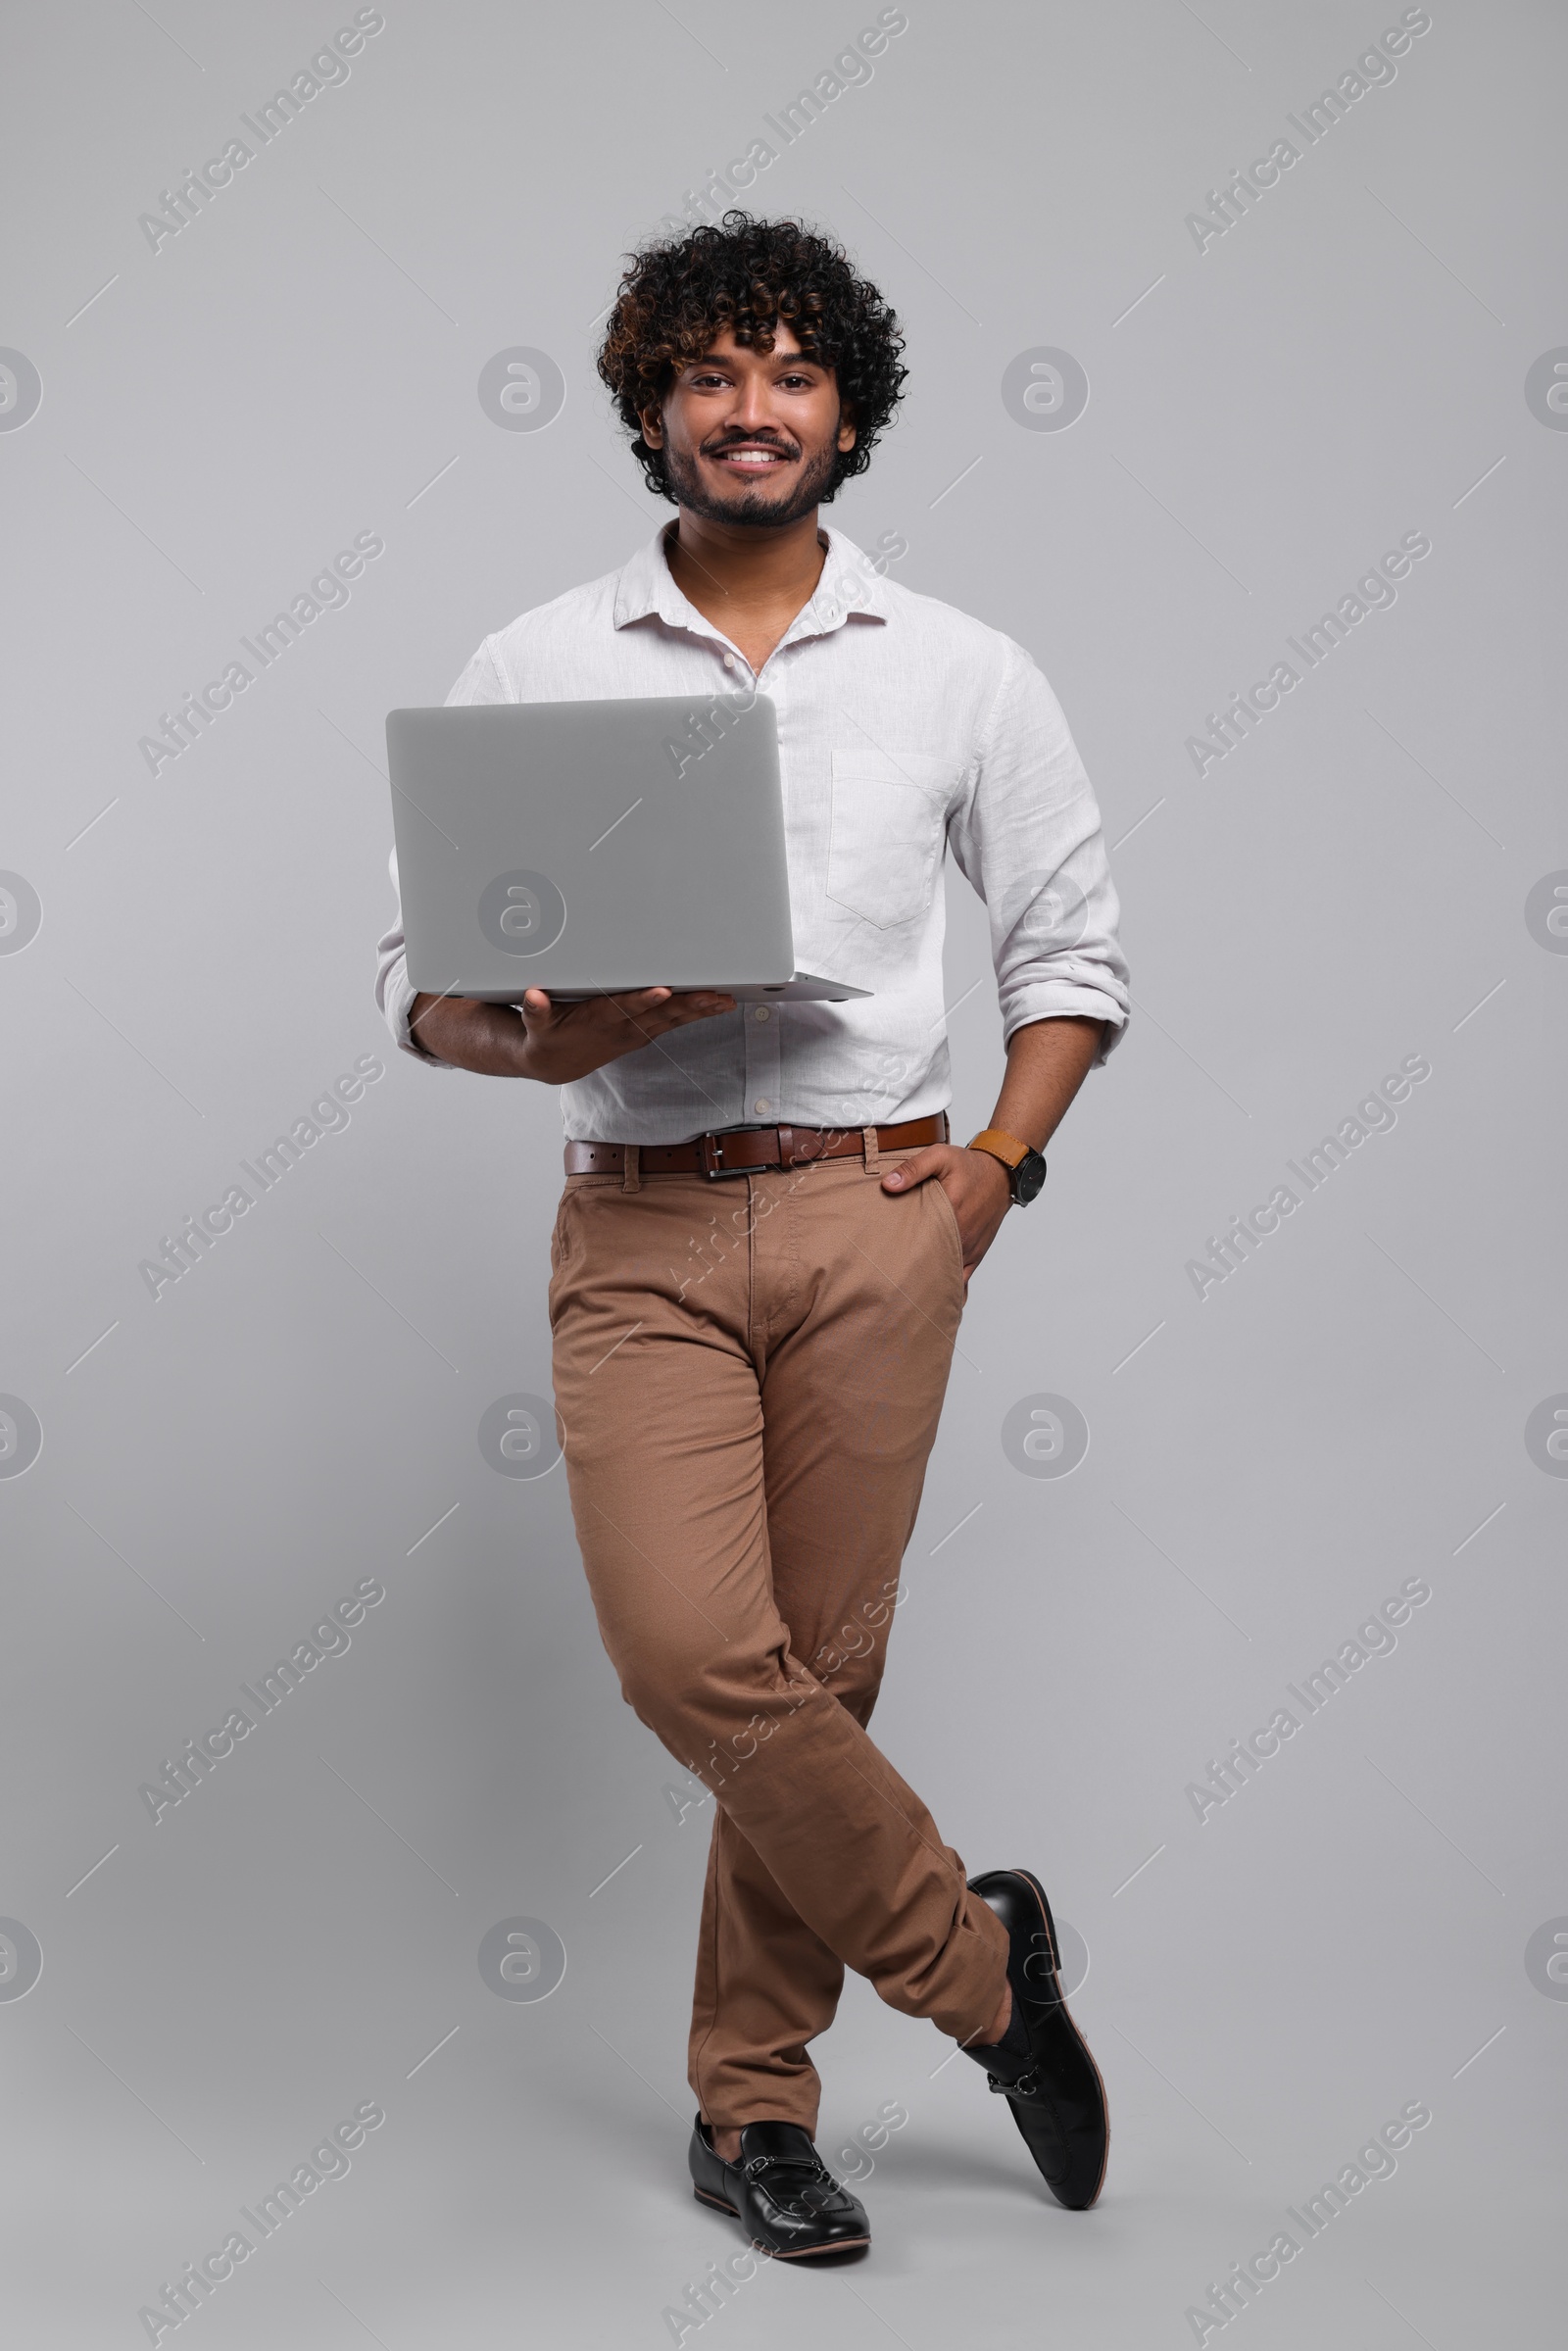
pixel 873 1155
pixel 632 1179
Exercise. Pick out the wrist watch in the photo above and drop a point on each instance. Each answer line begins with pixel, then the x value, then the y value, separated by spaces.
pixel 1026 1169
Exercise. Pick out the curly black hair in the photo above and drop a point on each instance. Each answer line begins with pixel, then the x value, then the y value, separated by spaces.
pixel 752 276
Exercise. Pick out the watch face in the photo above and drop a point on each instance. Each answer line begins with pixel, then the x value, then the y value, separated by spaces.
pixel 1028 1178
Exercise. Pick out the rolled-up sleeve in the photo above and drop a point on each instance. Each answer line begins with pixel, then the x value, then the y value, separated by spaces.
pixel 481 681
pixel 1027 836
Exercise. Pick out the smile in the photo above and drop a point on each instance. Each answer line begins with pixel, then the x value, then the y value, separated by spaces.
pixel 753 458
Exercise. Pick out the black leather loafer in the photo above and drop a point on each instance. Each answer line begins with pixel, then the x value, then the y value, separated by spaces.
pixel 1054 2091
pixel 780 2190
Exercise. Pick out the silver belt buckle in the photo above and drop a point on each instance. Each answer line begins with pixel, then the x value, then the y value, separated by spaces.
pixel 711 1152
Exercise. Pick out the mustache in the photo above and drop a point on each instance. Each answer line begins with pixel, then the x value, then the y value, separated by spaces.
pixel 750 440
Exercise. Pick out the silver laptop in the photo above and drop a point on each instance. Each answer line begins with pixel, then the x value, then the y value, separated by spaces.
pixel 595 847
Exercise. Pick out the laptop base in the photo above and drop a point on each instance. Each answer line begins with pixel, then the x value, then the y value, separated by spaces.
pixel 804 989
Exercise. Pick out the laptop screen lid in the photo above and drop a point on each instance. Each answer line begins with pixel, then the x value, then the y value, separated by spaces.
pixel 589 845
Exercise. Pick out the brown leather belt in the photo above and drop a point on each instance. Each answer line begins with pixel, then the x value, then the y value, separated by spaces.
pixel 742 1151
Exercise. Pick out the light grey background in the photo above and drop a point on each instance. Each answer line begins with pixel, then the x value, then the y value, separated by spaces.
pixel 1347 888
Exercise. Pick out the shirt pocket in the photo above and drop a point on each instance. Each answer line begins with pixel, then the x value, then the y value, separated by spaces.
pixel 889 821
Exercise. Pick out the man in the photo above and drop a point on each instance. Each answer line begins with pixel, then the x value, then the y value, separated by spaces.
pixel 765 1239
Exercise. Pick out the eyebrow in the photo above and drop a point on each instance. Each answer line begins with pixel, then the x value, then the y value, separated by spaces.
pixel 793 359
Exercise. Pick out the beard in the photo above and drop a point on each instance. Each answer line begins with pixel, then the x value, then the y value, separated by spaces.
pixel 804 494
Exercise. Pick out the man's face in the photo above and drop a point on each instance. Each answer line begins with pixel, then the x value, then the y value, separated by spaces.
pixel 750 437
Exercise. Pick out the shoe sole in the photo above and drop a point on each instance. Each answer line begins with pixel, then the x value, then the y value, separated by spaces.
pixel 1049 1925
pixel 848 2244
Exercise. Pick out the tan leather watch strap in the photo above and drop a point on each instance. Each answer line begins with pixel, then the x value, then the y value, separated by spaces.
pixel 1001 1146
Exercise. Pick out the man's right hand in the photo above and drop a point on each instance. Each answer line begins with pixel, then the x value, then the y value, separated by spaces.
pixel 554 1043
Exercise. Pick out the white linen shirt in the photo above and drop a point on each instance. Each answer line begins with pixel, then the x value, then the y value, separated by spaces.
pixel 904 726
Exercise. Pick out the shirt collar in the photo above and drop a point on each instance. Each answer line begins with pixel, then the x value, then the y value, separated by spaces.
pixel 848 584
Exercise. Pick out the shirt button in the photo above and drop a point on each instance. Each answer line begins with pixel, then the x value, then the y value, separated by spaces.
pixel 762 1011
pixel 729 661
pixel 762 1103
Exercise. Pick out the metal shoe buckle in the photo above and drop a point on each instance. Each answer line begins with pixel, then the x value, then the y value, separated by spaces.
pixel 1026 2086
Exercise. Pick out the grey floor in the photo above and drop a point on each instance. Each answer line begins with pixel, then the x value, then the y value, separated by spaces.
pixel 529 2186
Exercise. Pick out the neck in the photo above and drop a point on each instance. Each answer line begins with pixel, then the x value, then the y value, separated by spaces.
pixel 738 568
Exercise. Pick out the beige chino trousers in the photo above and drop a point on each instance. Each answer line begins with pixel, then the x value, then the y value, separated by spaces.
pixel 748 1374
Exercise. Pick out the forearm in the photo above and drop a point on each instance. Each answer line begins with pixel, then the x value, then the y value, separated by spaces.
pixel 554 1044
pixel 487 1038
pixel 1048 1061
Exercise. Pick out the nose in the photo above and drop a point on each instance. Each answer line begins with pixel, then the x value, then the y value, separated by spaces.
pixel 752 408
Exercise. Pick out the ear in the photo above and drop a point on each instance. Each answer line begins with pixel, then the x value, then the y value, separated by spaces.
pixel 653 424
pixel 847 435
